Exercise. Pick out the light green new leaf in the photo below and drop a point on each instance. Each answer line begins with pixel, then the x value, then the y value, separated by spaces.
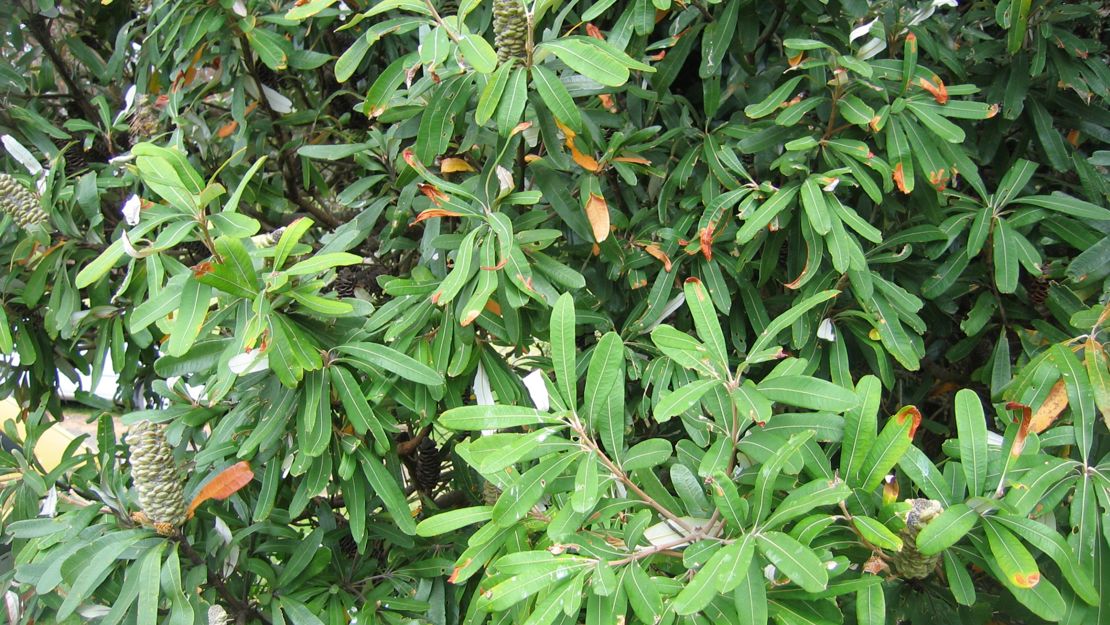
pixel 478 52
pixel 860 425
pixel 877 534
pixel 813 201
pixel 195 300
pixel 492 417
pixel 453 519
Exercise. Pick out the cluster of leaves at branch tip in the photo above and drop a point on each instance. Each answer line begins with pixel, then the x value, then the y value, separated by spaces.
pixel 157 477
pixel 510 29
pixel 19 203
pixel 909 562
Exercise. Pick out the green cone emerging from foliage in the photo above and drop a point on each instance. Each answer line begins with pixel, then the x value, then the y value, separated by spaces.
pixel 20 203
pixel 160 484
pixel 510 29
pixel 911 563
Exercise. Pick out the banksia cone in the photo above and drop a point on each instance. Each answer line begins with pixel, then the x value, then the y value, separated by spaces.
pixel 490 493
pixel 20 203
pixel 427 466
pixel 217 615
pixel 144 120
pixel 268 239
pixel 909 562
pixel 510 29
pixel 157 478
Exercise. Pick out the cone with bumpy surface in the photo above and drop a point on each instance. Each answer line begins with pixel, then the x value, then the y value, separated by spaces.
pixel 490 493
pixel 510 29
pixel 144 121
pixel 909 562
pixel 157 478
pixel 21 204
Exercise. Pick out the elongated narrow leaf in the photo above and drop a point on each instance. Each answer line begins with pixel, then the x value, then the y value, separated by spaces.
pixel 477 51
pixel 794 559
pixel 971 425
pixel 392 361
pixel 705 320
pixel 563 352
pixel 584 59
pixel 454 519
pixel 681 399
pixel 860 425
pixel 225 484
pixel 492 417
pixel 555 95
pixel 808 392
pixel 774 100
pixel 1011 556
pixel 893 441
pixel 387 489
pixel 943 531
pixel 603 401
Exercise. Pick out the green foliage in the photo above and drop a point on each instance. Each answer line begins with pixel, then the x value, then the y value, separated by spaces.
pixel 623 311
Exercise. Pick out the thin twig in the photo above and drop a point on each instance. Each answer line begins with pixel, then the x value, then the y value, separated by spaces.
pixel 216 582
pixel 620 475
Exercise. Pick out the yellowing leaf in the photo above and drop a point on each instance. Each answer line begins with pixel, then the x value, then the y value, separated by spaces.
pixel 224 485
pixel 597 211
pixel 454 165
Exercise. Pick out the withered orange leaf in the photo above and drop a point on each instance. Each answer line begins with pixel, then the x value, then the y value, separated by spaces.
pixel 433 193
pixel 434 212
pixel 226 130
pixel 940 93
pixel 225 484
pixel 1050 410
pixel 638 160
pixel 660 255
pixel 597 211
pixel 899 176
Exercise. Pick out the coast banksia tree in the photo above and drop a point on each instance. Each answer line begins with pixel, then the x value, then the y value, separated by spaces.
pixel 705 312
pixel 157 477
pixel 19 203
